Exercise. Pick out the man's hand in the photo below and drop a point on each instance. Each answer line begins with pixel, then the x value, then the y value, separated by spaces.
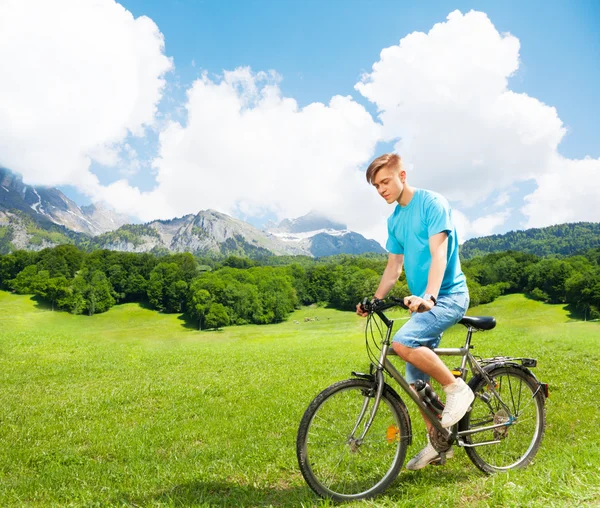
pixel 360 310
pixel 417 304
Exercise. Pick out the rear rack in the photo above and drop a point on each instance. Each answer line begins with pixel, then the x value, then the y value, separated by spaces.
pixel 525 362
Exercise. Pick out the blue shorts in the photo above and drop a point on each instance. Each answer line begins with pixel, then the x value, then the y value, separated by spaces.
pixel 426 328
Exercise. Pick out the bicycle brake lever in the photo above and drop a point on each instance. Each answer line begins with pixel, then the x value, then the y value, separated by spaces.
pixel 366 305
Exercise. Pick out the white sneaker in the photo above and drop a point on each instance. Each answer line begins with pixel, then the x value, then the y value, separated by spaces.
pixel 426 456
pixel 458 400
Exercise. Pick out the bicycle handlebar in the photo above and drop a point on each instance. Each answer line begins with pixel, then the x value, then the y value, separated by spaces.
pixel 377 305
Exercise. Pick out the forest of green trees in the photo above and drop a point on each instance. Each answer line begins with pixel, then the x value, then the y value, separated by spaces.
pixel 552 241
pixel 215 293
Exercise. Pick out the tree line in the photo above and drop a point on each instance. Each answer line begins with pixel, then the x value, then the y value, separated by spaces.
pixel 553 241
pixel 234 290
pixel 574 280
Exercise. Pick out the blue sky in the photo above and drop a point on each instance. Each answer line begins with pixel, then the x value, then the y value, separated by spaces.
pixel 320 50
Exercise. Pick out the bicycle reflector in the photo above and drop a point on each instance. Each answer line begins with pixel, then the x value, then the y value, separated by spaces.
pixel 545 389
pixel 393 434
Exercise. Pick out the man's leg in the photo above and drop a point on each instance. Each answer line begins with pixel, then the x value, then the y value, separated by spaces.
pixel 424 359
pixel 429 454
pixel 414 343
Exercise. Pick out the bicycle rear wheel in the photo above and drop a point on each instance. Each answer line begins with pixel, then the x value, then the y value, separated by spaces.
pixel 515 444
pixel 334 461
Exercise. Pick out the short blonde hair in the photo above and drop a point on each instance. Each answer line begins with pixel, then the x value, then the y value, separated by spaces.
pixel 387 160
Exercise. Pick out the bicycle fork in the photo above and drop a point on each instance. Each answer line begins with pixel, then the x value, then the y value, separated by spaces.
pixel 380 384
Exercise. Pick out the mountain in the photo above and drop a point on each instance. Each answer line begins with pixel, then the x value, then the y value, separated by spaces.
pixel 558 240
pixel 320 236
pixel 312 221
pixel 48 205
pixel 34 218
pixel 208 232
pixel 211 232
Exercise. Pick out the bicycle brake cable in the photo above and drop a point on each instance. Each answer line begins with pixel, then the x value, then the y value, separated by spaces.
pixel 372 345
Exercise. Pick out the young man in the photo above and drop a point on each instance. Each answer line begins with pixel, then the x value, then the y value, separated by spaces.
pixel 422 239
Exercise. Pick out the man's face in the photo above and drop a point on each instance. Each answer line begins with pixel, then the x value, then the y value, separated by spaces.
pixel 389 184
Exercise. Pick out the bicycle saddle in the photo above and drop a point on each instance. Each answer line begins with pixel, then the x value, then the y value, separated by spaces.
pixel 479 322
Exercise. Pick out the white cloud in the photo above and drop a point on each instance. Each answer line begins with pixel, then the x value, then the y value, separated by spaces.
pixel 76 77
pixel 502 199
pixel 482 226
pixel 462 131
pixel 462 224
pixel 568 192
pixel 247 147
pixel 487 224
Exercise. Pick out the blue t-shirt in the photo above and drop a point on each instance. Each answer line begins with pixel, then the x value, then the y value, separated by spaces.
pixel 409 230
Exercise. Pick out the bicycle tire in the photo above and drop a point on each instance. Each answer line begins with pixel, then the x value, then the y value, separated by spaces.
pixel 518 442
pixel 338 468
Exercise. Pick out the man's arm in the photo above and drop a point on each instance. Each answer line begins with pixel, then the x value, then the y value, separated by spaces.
pixel 438 248
pixel 390 276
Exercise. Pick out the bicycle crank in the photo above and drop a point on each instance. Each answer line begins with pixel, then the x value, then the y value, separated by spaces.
pixel 439 440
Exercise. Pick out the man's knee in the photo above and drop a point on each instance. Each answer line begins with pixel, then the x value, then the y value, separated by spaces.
pixel 401 350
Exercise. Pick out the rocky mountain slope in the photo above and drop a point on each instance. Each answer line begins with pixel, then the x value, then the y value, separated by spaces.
pixel 48 205
pixel 207 232
pixel 213 232
pixel 38 217
pixel 320 236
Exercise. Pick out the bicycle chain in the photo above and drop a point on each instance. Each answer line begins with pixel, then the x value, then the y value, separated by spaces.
pixel 438 440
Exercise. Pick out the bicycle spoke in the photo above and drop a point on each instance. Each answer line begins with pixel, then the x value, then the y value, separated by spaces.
pixel 332 461
pixel 517 423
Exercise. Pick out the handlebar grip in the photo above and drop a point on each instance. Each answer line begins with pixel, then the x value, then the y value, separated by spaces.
pixel 399 301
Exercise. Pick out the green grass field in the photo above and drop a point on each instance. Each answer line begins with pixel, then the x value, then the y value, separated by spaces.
pixel 135 408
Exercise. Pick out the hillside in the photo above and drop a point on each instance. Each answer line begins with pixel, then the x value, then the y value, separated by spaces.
pixel 207 233
pixel 48 207
pixel 134 407
pixel 559 240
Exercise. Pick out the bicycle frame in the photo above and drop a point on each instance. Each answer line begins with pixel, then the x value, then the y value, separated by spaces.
pixel 450 434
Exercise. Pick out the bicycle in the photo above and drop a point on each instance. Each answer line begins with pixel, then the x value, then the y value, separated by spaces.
pixel 353 437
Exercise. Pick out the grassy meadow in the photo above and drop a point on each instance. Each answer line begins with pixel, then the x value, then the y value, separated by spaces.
pixel 136 408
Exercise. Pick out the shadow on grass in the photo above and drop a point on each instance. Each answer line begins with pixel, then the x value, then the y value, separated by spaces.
pixel 187 322
pixel 529 296
pixel 144 304
pixel 573 312
pixel 223 494
pixel 191 324
pixel 40 303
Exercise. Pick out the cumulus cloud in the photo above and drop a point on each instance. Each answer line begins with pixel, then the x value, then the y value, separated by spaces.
pixel 76 77
pixel 445 95
pixel 482 226
pixel 245 147
pixel 568 192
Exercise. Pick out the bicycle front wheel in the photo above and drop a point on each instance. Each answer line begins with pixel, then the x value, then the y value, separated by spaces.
pixel 338 457
pixel 514 445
